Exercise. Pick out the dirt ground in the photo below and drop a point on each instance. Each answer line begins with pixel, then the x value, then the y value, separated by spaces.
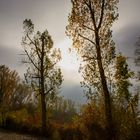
pixel 14 136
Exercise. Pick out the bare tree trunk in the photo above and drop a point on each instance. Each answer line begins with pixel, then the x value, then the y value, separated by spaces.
pixel 107 100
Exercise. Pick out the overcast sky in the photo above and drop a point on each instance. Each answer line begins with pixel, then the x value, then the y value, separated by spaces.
pixel 52 14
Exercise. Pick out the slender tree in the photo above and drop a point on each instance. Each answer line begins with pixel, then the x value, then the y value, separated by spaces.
pixel 137 57
pixel 125 100
pixel 43 74
pixel 89 27
pixel 12 91
pixel 9 81
pixel 122 76
pixel 137 53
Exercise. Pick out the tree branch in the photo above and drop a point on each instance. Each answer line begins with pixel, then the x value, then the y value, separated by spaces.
pixel 92 13
pixel 90 68
pixel 87 58
pixel 102 14
pixel 49 68
pixel 31 60
pixel 88 28
pixel 49 90
pixel 37 49
pixel 87 39
pixel 25 62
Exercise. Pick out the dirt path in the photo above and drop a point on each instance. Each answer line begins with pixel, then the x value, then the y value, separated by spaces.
pixel 14 136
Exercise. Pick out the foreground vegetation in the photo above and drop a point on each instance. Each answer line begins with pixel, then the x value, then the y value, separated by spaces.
pixel 20 111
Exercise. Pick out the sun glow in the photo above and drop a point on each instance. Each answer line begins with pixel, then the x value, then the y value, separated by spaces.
pixel 69 59
pixel 69 63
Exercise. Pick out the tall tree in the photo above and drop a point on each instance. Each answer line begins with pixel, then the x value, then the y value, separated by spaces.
pixel 11 93
pixel 89 27
pixel 43 74
pixel 122 76
pixel 9 81
pixel 137 56
pixel 125 101
pixel 137 53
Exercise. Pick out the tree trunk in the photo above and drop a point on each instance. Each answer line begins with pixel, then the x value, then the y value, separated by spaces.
pixel 43 113
pixel 43 96
pixel 107 100
pixel 134 115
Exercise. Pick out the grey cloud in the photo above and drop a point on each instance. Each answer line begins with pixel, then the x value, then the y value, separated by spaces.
pixel 127 28
pixel 74 92
pixel 10 56
pixel 126 39
pixel 50 14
